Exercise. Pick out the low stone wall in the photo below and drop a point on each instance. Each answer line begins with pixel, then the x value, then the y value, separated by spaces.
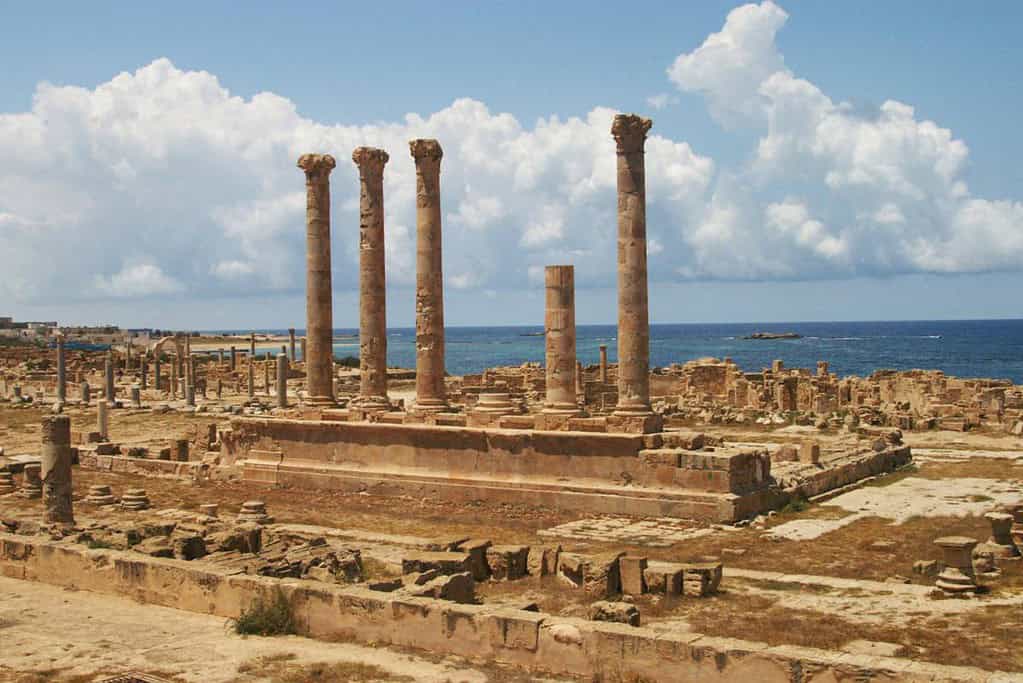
pixel 532 641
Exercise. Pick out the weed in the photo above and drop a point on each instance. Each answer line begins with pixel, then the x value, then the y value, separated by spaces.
pixel 267 617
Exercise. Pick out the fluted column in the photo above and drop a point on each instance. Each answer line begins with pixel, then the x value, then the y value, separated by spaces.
pixel 630 132
pixel 372 280
pixel 431 394
pixel 319 302
pixel 559 335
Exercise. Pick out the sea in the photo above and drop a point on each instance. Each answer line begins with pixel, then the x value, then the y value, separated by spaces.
pixel 964 348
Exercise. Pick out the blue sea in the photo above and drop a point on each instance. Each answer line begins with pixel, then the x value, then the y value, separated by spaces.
pixel 965 348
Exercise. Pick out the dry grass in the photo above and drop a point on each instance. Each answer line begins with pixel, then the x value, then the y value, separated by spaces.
pixel 281 668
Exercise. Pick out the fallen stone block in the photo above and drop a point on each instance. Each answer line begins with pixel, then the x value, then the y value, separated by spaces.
pixel 446 563
pixel 616 612
pixel 477 550
pixel 598 575
pixel 458 588
pixel 632 568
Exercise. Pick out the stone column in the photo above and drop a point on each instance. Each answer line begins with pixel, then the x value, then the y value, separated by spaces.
pixel 372 281
pixel 252 378
pixel 319 302
pixel 252 344
pixel 136 397
pixel 266 376
pixel 85 393
pixel 108 381
pixel 56 470
pixel 282 381
pixel 234 359
pixel 156 372
pixel 291 343
pixel 174 379
pixel 61 371
pixel 431 394
pixel 302 347
pixel 559 335
pixel 103 420
pixel 603 363
pixel 143 370
pixel 630 132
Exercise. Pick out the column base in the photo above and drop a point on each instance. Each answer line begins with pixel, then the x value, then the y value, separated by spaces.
pixel 371 403
pixel 431 405
pixel 635 422
pixel 321 401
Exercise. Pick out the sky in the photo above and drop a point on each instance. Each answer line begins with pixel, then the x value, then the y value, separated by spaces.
pixel 807 161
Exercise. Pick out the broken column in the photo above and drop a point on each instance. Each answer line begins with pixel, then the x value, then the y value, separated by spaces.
pixel 291 343
pixel 103 420
pixel 61 371
pixel 86 393
pixel 282 381
pixel 55 470
pixel 957 556
pixel 431 394
pixel 559 334
pixel 319 312
pixel 603 363
pixel 630 132
pixel 372 281
pixel 1000 543
pixel 108 381
pixel 234 359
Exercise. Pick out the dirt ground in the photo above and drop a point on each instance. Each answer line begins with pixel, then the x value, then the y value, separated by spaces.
pixel 52 635
pixel 871 550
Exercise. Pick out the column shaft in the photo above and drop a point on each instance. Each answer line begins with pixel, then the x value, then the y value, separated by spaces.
pixel 282 381
pixel 559 334
pixel 372 280
pixel 55 470
pixel 633 317
pixel 61 371
pixel 319 302
pixel 431 394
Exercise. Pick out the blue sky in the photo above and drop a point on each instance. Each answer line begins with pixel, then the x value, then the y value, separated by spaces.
pixel 359 70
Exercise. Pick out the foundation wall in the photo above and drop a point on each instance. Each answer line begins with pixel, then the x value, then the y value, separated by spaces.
pixel 533 641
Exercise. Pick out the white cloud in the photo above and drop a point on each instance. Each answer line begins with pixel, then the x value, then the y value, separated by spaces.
pixel 138 280
pixel 169 164
pixel 661 100
pixel 879 189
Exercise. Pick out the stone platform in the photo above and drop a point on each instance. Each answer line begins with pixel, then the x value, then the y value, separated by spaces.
pixel 656 475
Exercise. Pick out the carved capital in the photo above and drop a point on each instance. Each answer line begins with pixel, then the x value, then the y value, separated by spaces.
pixel 629 131
pixel 316 166
pixel 425 149
pixel 370 160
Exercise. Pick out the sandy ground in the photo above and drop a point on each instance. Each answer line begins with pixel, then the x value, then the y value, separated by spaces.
pixel 905 499
pixel 61 635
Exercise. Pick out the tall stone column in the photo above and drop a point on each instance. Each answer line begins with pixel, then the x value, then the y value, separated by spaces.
pixel 431 394
pixel 56 470
pixel 108 380
pixel 603 363
pixel 252 378
pixel 156 372
pixel 234 359
pixel 372 281
pixel 252 344
pixel 301 346
pixel 319 303
pixel 559 335
pixel 630 132
pixel 61 371
pixel 291 343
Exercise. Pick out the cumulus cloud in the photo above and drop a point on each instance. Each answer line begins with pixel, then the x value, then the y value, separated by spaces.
pixel 882 189
pixel 201 186
pixel 168 163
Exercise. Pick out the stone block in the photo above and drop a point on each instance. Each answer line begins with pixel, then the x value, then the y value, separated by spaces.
pixel 663 578
pixel 810 453
pixel 446 563
pixel 507 562
pixel 786 453
pixel 701 579
pixel 458 588
pixel 542 560
pixel 477 551
pixel 598 575
pixel 632 569
pixel 615 612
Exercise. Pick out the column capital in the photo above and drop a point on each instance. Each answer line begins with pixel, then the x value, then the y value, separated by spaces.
pixel 629 131
pixel 425 149
pixel 316 165
pixel 370 160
